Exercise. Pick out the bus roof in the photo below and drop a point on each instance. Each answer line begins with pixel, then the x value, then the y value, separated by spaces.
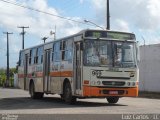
pixel 88 33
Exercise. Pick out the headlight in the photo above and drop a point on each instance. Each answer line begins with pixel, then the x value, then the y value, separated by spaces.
pixel 93 82
pixel 98 73
pixel 93 73
pixel 98 82
pixel 128 83
pixel 133 84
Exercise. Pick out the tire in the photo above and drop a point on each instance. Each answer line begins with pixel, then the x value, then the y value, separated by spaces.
pixel 62 96
pixel 67 94
pixel 33 94
pixel 112 100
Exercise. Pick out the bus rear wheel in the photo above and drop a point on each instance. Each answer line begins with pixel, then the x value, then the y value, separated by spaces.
pixel 67 94
pixel 112 100
pixel 33 94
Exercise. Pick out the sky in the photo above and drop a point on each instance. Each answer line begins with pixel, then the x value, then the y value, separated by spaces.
pixel 141 17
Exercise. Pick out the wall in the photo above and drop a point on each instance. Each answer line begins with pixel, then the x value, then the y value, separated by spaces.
pixel 149 68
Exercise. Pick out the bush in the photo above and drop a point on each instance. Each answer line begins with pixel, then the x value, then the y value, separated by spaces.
pixel 3 76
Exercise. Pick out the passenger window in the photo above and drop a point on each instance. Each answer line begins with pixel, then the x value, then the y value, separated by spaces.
pixel 33 55
pixel 30 57
pixel 51 53
pixel 36 56
pixel 70 50
pixel 57 54
pixel 67 50
pixel 40 55
pixel 21 59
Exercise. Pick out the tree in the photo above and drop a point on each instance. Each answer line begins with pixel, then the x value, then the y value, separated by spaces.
pixel 3 76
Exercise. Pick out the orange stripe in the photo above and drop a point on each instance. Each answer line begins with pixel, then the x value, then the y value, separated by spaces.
pixel 61 74
pixel 52 74
pixel 39 74
pixel 89 91
pixel 20 75
pixel 66 73
pixel 55 74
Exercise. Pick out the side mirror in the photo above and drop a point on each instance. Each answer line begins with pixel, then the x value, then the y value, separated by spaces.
pixel 137 52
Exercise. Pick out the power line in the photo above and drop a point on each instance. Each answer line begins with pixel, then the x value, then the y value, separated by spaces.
pixel 37 10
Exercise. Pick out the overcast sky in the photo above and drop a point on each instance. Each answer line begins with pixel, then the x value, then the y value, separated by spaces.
pixel 139 16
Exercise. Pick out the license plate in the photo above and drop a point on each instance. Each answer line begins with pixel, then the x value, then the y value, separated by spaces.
pixel 113 92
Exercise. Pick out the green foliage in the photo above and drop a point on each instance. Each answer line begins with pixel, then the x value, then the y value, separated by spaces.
pixel 3 76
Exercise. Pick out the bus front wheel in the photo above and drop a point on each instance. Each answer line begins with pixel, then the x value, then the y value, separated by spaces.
pixel 68 98
pixel 33 94
pixel 112 100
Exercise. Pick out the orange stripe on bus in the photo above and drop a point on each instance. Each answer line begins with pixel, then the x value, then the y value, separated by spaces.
pixel 52 74
pixel 55 74
pixel 20 75
pixel 61 74
pixel 39 74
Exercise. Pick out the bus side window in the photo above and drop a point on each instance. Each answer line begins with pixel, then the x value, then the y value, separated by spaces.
pixel 52 53
pixel 30 57
pixel 64 51
pixel 69 54
pixel 40 55
pixel 21 59
pixel 36 56
pixel 57 52
pixel 67 50
pixel 41 58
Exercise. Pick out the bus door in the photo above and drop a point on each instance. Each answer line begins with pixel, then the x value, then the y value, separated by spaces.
pixel 47 84
pixel 25 72
pixel 78 62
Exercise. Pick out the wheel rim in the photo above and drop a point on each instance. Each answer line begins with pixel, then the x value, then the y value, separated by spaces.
pixel 67 93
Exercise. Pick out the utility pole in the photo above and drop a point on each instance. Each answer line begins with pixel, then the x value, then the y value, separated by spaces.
pixel 23 33
pixel 108 16
pixel 51 33
pixel 44 39
pixel 8 76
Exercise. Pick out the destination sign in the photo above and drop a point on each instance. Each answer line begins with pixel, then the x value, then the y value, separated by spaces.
pixel 110 34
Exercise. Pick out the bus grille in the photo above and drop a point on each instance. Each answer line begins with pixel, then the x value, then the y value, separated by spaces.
pixel 113 83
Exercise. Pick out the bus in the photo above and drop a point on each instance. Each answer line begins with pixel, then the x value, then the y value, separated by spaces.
pixel 89 64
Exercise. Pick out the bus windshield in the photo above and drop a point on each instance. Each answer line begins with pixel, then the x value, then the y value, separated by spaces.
pixel 109 53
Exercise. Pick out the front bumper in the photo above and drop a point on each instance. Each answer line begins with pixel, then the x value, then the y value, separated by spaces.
pixel 90 91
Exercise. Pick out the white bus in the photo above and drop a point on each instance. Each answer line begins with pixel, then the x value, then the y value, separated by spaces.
pixel 89 64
